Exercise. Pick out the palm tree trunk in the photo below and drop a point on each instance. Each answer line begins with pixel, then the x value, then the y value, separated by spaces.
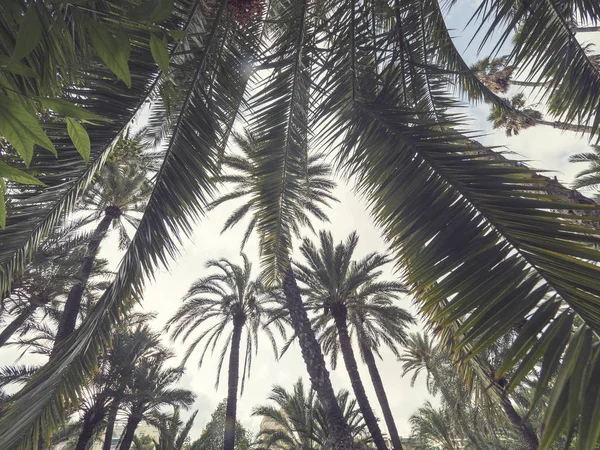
pixel 73 303
pixel 338 311
pixel 526 83
pixel 381 396
pixel 12 327
pixel 527 435
pixel 91 419
pixel 232 387
pixel 586 29
pixel 110 424
pixel 315 363
pixel 566 126
pixel 132 423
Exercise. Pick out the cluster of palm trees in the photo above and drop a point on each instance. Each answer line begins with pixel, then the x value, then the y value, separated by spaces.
pixel 489 250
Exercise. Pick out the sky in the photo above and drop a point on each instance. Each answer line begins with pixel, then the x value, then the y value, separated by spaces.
pixel 543 147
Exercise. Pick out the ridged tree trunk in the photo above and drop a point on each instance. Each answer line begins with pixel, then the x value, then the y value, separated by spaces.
pixel 91 419
pixel 566 126
pixel 381 396
pixel 526 83
pixel 128 434
pixel 112 418
pixel 586 29
pixel 18 321
pixel 339 313
pixel 527 435
pixel 232 383
pixel 315 364
pixel 73 303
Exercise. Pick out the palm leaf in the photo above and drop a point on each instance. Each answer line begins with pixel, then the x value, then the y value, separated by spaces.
pixel 182 185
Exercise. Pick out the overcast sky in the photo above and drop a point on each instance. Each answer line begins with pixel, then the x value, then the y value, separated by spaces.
pixel 543 147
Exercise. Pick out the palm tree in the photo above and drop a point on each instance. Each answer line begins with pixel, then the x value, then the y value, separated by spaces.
pixel 374 320
pixel 370 81
pixel 496 75
pixel 522 117
pixel 150 391
pixel 245 183
pixel 588 178
pixel 173 432
pixel 471 420
pixel 297 421
pixel 47 278
pixel 283 187
pixel 333 279
pixel 132 342
pixel 117 193
pixel 433 426
pixel 227 297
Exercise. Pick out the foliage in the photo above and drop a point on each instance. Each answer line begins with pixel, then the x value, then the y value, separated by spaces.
pixel 214 302
pixel 483 243
pixel 212 435
pixel 296 420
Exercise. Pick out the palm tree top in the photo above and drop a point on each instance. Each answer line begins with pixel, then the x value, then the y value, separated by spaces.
pixel 229 296
pixel 330 274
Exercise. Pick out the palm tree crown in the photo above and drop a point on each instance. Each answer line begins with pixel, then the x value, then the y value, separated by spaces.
pixel 247 182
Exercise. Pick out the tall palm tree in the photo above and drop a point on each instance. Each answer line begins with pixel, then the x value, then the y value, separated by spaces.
pixel 151 390
pixel 296 421
pixel 118 192
pixel 213 303
pixel 333 279
pixel 283 188
pixel 370 80
pixel 132 342
pixel 374 320
pixel 522 117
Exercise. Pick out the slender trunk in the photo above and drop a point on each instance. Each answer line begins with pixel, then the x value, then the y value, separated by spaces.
pixel 381 396
pixel 73 303
pixel 232 387
pixel 586 29
pixel 527 435
pixel 526 83
pixel 91 419
pixel 315 364
pixel 132 423
pixel 339 314
pixel 110 424
pixel 566 126
pixel 17 322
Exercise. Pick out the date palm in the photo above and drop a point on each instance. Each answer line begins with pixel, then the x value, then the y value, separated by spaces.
pixel 296 421
pixel 46 279
pixel 151 390
pixel 496 75
pixel 375 321
pixel 332 279
pixel 520 117
pixel 282 190
pixel 372 82
pixel 227 297
pixel 119 191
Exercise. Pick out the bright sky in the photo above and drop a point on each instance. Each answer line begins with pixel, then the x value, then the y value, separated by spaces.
pixel 544 147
